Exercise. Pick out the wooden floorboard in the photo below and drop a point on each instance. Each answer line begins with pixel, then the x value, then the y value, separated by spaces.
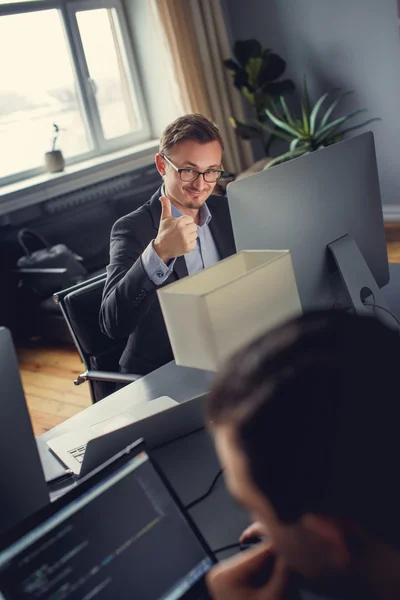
pixel 48 375
pixel 48 372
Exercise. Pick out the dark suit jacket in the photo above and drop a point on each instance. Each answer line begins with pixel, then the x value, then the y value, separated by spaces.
pixel 130 304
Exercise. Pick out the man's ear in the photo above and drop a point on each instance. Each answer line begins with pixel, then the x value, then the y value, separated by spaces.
pixel 327 533
pixel 160 164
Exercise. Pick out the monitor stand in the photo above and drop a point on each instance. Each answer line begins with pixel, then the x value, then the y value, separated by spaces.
pixel 358 280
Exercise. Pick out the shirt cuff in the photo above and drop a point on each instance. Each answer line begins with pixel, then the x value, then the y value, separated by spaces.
pixel 156 269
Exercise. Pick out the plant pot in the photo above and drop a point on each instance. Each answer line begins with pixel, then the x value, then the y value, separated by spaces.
pixel 54 161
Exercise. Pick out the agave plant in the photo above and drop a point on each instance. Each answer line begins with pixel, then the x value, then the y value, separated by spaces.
pixel 257 72
pixel 312 131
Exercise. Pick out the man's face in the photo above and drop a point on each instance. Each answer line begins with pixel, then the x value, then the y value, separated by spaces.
pixel 190 154
pixel 304 551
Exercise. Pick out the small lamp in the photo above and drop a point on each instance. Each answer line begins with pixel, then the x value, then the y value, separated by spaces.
pixel 213 313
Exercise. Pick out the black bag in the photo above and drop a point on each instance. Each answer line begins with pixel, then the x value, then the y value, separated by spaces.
pixel 50 268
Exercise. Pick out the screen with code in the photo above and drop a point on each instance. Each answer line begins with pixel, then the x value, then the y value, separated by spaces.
pixel 124 538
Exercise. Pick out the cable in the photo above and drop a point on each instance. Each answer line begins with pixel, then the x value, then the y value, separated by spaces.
pixel 208 492
pixel 230 547
pixel 373 305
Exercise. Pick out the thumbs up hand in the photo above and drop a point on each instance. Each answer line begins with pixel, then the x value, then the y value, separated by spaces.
pixel 175 237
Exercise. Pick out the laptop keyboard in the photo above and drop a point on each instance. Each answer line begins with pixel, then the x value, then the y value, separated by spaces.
pixel 78 453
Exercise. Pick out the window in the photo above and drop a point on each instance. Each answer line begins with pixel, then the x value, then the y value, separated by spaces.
pixel 69 64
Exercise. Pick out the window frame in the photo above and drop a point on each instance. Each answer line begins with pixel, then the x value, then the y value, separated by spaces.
pixel 85 93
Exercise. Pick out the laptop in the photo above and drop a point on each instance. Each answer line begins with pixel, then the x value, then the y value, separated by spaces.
pixel 158 422
pixel 120 533
pixel 24 489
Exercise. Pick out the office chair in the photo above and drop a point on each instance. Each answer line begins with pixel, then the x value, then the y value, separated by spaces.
pixel 80 306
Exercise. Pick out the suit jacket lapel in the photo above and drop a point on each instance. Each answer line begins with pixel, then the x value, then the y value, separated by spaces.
pixel 180 267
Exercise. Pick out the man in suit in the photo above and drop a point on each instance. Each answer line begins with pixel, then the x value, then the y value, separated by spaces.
pixel 175 234
pixel 305 421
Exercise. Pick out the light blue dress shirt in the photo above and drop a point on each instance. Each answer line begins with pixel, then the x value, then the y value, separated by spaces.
pixel 205 253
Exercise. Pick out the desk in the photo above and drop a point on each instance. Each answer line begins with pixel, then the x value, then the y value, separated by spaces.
pixel 189 463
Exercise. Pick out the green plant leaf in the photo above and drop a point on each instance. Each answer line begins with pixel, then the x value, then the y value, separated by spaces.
pixel 285 126
pixel 331 127
pixel 246 131
pixel 248 95
pixel 245 49
pixel 332 107
pixel 346 131
pixel 273 67
pixel 278 88
pixel 274 108
pixel 305 106
pixel 294 143
pixel 241 79
pixel 230 64
pixel 277 132
pixel 315 110
pixel 286 156
pixel 253 68
pixel 286 112
pixel 305 122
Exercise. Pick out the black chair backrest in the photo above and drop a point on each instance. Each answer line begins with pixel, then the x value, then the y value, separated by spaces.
pixel 80 305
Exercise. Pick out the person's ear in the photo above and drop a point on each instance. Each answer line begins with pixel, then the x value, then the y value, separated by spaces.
pixel 326 532
pixel 160 164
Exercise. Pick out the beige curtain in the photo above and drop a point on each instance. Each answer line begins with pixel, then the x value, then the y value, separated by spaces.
pixel 195 42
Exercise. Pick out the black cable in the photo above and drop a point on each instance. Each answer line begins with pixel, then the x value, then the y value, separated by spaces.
pixel 373 305
pixel 208 492
pixel 230 547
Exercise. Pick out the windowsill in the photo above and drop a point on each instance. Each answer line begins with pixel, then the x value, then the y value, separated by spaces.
pixel 47 186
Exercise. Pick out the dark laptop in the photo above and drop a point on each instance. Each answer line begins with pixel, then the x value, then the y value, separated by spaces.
pixel 121 533
pixel 23 486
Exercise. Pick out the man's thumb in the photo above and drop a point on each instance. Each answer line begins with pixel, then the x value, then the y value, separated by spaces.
pixel 165 208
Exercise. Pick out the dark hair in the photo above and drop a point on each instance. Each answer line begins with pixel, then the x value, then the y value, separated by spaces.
pixel 315 404
pixel 189 127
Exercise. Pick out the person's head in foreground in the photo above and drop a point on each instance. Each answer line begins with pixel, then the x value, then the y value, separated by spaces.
pixel 306 422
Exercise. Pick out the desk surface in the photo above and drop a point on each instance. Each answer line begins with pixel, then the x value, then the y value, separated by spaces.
pixel 189 463
pixel 180 383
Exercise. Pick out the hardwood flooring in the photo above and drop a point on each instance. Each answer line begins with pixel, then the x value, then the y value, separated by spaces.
pixel 48 373
pixel 392 231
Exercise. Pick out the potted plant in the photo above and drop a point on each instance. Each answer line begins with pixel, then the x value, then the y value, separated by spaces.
pixel 310 132
pixel 54 160
pixel 257 73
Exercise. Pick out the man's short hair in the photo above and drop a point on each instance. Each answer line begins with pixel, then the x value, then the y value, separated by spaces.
pixel 316 409
pixel 189 127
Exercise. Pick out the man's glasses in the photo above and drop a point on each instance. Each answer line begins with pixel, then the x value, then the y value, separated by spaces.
pixel 187 174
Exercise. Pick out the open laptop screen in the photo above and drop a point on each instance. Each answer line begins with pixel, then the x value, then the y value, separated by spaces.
pixel 125 536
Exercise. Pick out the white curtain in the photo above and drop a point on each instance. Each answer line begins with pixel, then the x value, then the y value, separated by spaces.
pixel 195 42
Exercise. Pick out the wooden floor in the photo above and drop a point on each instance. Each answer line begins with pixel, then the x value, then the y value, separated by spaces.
pixel 48 375
pixel 48 372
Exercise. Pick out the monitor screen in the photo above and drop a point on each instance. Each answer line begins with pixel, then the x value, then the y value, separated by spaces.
pixel 124 537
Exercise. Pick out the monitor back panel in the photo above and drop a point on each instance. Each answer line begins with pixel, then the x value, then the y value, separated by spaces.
pixel 306 203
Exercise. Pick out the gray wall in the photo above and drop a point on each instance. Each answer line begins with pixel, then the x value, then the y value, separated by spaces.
pixel 354 44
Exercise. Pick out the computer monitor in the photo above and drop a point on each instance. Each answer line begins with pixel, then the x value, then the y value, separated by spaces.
pixel 325 207
pixel 121 533
pixel 23 486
